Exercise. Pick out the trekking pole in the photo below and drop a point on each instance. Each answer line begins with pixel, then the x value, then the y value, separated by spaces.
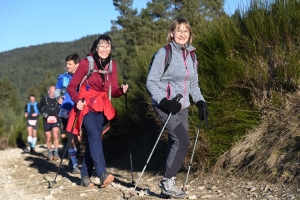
pixel 190 164
pixel 205 113
pixel 128 137
pixel 73 126
pixel 177 98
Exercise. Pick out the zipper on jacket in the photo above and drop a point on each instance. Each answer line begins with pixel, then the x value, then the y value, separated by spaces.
pixel 184 55
pixel 168 91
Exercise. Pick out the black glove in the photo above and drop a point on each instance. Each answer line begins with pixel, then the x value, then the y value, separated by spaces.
pixel 203 110
pixel 171 106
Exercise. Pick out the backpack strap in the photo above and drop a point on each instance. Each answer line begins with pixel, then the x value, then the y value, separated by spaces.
pixel 109 69
pixel 46 100
pixel 193 56
pixel 91 70
pixel 108 72
pixel 168 57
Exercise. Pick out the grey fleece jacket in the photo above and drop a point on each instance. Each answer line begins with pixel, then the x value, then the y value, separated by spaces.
pixel 181 76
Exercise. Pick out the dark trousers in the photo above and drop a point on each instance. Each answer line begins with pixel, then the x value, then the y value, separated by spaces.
pixel 94 157
pixel 178 139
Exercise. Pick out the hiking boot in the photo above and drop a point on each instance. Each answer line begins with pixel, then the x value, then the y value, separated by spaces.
pixel 168 188
pixel 50 156
pixel 106 179
pixel 55 156
pixel 86 182
pixel 75 170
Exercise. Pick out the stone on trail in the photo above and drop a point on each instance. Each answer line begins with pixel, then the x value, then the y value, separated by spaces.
pixel 192 197
pixel 141 193
pixel 206 197
pixel 55 191
pixel 48 197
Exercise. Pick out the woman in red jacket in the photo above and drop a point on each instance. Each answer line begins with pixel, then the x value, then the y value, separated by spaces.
pixel 92 100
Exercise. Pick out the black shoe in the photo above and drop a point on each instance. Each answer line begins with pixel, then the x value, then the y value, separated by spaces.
pixel 106 179
pixel 32 150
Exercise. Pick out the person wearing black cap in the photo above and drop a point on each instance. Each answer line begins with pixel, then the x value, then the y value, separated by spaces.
pixel 92 103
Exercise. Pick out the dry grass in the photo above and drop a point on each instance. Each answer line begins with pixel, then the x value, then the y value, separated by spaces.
pixel 270 151
pixel 3 143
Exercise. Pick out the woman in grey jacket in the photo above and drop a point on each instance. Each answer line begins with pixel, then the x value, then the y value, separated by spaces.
pixel 181 77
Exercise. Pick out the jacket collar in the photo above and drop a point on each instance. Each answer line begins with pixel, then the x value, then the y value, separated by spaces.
pixel 179 48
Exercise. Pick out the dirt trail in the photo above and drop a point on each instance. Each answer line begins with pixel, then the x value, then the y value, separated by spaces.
pixel 28 176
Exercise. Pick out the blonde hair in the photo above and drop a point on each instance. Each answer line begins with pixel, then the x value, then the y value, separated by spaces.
pixel 175 24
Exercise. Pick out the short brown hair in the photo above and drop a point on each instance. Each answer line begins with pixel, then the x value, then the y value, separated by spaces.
pixel 74 56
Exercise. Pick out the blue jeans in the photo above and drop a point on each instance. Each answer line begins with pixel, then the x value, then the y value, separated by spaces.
pixel 93 157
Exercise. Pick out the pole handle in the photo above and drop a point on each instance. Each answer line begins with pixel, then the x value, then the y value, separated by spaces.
pixel 177 97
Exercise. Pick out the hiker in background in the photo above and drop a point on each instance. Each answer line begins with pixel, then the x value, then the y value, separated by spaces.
pixel 49 108
pixel 32 112
pixel 66 104
pixel 96 111
pixel 181 77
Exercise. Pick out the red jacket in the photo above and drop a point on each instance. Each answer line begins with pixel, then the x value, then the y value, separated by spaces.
pixel 96 97
pixel 95 102
pixel 95 82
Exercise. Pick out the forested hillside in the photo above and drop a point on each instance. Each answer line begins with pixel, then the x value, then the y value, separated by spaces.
pixel 30 66
pixel 248 67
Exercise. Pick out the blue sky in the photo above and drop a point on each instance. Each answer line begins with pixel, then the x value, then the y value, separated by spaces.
pixel 32 22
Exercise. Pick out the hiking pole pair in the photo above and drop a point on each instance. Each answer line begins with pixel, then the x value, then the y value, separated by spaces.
pixel 176 98
pixel 128 136
pixel 205 114
pixel 66 147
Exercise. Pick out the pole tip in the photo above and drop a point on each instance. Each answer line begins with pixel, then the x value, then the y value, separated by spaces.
pixel 131 194
pixel 49 185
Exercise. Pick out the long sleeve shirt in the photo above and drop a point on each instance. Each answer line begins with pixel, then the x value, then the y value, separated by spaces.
pixel 95 81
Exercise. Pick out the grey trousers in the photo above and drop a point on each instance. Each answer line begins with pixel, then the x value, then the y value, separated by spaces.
pixel 178 139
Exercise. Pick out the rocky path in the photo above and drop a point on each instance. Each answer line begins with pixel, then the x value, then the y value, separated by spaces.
pixel 29 177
